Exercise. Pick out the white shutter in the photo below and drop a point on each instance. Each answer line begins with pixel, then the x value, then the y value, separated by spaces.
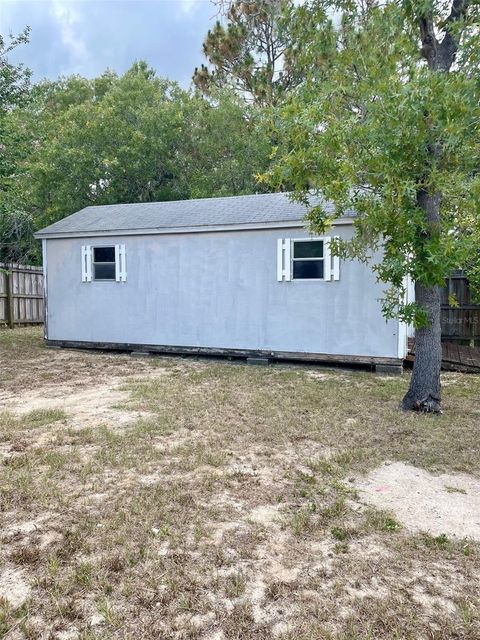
pixel 287 265
pixel 336 266
pixel 283 260
pixel 120 263
pixel 117 262
pixel 279 260
pixel 327 260
pixel 86 263
pixel 123 263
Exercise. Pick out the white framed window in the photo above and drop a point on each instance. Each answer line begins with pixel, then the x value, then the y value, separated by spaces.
pixel 104 263
pixel 306 259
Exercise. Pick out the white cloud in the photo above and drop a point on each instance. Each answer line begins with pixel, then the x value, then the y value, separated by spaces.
pixel 87 36
pixel 70 22
pixel 187 7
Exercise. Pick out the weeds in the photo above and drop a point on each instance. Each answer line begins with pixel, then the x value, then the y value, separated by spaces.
pixel 225 505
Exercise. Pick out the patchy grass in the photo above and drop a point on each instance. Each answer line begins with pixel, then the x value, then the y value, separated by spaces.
pixel 220 504
pixel 454 490
pixel 32 419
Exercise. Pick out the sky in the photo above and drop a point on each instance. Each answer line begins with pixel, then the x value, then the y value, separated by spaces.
pixel 87 36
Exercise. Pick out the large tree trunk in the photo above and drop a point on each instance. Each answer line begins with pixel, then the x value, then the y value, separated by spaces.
pixel 424 392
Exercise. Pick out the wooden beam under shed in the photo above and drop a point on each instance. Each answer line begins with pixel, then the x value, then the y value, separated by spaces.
pixel 279 356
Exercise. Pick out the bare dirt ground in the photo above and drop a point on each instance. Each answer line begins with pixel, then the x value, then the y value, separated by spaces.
pixel 438 504
pixel 178 498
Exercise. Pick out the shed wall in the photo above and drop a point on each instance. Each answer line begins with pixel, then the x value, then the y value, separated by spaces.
pixel 216 290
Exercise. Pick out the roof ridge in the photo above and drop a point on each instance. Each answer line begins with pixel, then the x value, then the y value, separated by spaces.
pixel 131 204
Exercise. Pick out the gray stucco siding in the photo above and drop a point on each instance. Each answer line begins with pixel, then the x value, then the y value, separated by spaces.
pixel 218 290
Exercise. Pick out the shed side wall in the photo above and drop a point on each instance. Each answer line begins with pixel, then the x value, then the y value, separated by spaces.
pixel 216 290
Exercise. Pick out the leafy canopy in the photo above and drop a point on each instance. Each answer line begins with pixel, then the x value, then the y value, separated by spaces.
pixel 132 138
pixel 14 79
pixel 362 133
pixel 14 92
pixel 253 53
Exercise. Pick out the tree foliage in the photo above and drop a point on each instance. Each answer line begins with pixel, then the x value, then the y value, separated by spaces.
pixel 15 225
pixel 254 53
pixel 224 145
pixel 14 79
pixel 391 130
pixel 363 138
pixel 132 138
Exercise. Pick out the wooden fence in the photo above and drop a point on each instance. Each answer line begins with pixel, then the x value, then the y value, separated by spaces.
pixel 459 323
pixel 21 294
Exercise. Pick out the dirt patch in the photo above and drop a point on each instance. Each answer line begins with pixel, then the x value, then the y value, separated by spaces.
pixel 265 514
pixel 437 504
pixel 13 587
pixel 85 405
pixel 97 404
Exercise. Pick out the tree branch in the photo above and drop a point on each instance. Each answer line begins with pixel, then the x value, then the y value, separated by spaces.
pixel 441 55
pixel 459 10
pixel 449 45
pixel 429 40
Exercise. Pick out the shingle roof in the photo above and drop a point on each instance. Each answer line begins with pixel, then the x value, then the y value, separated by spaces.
pixel 196 214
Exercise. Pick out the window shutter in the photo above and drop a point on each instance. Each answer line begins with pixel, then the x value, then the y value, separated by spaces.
pixel 327 262
pixel 279 260
pixel 120 263
pixel 283 259
pixel 86 263
pixel 287 265
pixel 336 266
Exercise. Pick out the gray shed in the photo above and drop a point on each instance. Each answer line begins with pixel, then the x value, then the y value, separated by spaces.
pixel 235 276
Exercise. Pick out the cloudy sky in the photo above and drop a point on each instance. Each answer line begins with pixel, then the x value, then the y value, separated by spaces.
pixel 87 36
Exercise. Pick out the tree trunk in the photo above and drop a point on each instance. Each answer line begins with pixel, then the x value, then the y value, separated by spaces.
pixel 424 392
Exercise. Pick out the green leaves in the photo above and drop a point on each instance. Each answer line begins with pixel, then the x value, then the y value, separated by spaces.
pixel 132 138
pixel 253 54
pixel 15 223
pixel 373 128
pixel 14 79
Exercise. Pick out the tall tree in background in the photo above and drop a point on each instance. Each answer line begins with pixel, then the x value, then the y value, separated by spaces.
pixel 254 53
pixel 392 131
pixel 14 79
pixel 15 225
pixel 224 145
pixel 132 138
pixel 102 141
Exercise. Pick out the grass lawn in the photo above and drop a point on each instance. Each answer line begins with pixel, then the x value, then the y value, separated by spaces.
pixel 165 498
